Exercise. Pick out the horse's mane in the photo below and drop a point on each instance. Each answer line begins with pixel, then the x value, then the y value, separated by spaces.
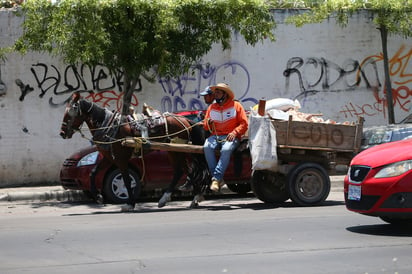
pixel 97 113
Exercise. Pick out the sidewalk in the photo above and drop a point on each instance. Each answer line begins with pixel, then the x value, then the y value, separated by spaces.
pixel 57 193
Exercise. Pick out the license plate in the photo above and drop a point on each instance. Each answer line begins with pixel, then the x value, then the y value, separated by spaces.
pixel 354 192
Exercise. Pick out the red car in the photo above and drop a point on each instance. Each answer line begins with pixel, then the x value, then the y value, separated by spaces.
pixel 379 182
pixel 153 167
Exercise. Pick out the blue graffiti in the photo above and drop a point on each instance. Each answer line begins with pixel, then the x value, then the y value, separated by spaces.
pixel 180 91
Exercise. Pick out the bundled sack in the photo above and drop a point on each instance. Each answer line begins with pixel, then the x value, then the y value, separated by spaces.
pixel 262 142
pixel 280 104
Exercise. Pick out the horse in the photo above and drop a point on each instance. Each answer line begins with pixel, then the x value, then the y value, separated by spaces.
pixel 109 128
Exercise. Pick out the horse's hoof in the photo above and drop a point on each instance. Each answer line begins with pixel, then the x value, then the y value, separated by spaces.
pixel 199 198
pixel 99 199
pixel 167 197
pixel 194 204
pixel 196 200
pixel 126 208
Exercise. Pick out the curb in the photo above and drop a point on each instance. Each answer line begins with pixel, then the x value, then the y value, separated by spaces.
pixel 56 193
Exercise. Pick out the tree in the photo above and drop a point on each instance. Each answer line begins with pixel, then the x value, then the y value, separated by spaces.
pixel 390 17
pixel 134 37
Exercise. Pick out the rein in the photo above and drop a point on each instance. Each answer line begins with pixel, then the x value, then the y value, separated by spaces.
pixel 141 140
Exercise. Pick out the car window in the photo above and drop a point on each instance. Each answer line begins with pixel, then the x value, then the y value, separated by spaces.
pixel 376 136
pixel 401 134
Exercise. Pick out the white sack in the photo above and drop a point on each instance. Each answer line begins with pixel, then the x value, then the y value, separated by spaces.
pixel 262 143
pixel 280 104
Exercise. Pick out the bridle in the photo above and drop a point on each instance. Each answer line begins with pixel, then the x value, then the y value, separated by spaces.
pixel 73 111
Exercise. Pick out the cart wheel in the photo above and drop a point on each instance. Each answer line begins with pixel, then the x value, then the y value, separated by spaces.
pixel 308 184
pixel 114 189
pixel 269 187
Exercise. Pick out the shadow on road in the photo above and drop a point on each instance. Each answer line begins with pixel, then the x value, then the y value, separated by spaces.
pixel 382 230
pixel 224 202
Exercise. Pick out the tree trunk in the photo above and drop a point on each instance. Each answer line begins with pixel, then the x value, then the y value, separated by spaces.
pixel 388 84
pixel 129 86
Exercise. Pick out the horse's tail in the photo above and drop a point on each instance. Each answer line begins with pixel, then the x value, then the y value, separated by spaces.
pixel 199 175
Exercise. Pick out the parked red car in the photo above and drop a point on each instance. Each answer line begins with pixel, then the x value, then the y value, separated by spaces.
pixel 154 167
pixel 379 182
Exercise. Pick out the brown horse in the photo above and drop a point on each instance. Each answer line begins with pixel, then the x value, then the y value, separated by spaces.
pixel 110 128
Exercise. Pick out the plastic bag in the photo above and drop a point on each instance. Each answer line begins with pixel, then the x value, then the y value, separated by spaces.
pixel 262 143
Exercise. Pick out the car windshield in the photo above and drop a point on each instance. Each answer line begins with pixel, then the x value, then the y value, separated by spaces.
pixel 376 136
pixel 384 135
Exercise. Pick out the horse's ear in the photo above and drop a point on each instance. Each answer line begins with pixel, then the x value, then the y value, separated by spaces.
pixel 75 96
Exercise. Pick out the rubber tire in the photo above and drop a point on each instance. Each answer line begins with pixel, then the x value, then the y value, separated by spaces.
pixel 115 191
pixel 269 187
pixel 397 221
pixel 308 184
pixel 240 188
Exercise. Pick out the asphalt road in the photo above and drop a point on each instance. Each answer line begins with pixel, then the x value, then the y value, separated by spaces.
pixel 236 235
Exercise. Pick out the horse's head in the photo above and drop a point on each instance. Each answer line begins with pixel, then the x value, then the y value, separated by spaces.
pixel 72 118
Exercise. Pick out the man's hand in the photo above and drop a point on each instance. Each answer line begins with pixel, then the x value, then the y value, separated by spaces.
pixel 231 137
pixel 210 124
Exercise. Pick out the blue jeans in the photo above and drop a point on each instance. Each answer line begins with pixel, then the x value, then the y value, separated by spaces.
pixel 217 168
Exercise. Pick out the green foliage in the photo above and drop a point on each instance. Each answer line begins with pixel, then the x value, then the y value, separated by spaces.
pixel 137 35
pixel 394 15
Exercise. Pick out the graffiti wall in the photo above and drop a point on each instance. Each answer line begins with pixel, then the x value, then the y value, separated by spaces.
pixel 337 72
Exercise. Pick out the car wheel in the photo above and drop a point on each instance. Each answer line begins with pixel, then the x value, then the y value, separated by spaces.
pixel 397 221
pixel 308 184
pixel 240 188
pixel 114 189
pixel 269 187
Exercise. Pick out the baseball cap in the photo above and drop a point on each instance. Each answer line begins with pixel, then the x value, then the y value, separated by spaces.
pixel 206 91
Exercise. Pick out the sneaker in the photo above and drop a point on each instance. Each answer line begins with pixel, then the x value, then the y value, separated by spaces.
pixel 215 187
pixel 186 187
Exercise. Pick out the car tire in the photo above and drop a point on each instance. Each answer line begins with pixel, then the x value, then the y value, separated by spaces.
pixel 269 187
pixel 308 184
pixel 240 188
pixel 115 191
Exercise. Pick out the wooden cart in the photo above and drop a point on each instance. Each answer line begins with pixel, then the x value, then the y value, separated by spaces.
pixel 307 154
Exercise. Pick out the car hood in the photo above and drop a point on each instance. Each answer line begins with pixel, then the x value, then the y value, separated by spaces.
pixel 82 152
pixel 384 154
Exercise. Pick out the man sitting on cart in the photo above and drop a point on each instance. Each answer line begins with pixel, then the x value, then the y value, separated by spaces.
pixel 227 122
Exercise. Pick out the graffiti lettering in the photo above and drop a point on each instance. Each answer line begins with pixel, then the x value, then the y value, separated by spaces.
pixel 81 78
pixel 318 134
pixel 399 65
pixel 200 76
pixel 320 75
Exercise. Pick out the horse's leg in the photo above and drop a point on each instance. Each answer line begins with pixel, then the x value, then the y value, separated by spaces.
pixel 176 159
pixel 128 183
pixel 93 189
pixel 120 156
pixel 199 177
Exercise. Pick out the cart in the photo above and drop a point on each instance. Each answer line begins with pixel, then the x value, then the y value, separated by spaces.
pixel 308 153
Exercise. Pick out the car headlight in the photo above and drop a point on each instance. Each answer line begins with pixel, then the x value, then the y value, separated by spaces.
pixel 394 169
pixel 89 159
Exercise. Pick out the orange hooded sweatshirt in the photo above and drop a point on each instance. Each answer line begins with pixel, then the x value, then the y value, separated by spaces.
pixel 230 117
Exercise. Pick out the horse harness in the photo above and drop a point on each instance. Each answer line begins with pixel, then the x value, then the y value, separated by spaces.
pixel 150 124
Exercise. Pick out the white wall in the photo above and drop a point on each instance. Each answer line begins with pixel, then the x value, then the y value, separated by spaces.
pixel 317 64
